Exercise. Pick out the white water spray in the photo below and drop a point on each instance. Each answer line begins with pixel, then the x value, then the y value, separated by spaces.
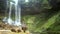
pixel 17 14
pixel 9 20
pixel 17 21
pixel 26 0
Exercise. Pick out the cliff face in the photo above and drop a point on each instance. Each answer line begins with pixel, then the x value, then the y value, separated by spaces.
pixel 3 4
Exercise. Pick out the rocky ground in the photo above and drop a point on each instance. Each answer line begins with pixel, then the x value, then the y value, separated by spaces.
pixel 7 27
pixel 10 29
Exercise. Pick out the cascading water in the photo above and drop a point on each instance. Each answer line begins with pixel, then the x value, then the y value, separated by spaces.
pixel 9 20
pixel 17 21
pixel 17 15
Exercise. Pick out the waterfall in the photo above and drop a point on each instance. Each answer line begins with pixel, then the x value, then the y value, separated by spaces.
pixel 17 21
pixel 17 15
pixel 9 20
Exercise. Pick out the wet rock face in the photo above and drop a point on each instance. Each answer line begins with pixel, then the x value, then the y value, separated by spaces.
pixel 24 28
pixel 19 30
pixel 13 30
pixel 3 4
